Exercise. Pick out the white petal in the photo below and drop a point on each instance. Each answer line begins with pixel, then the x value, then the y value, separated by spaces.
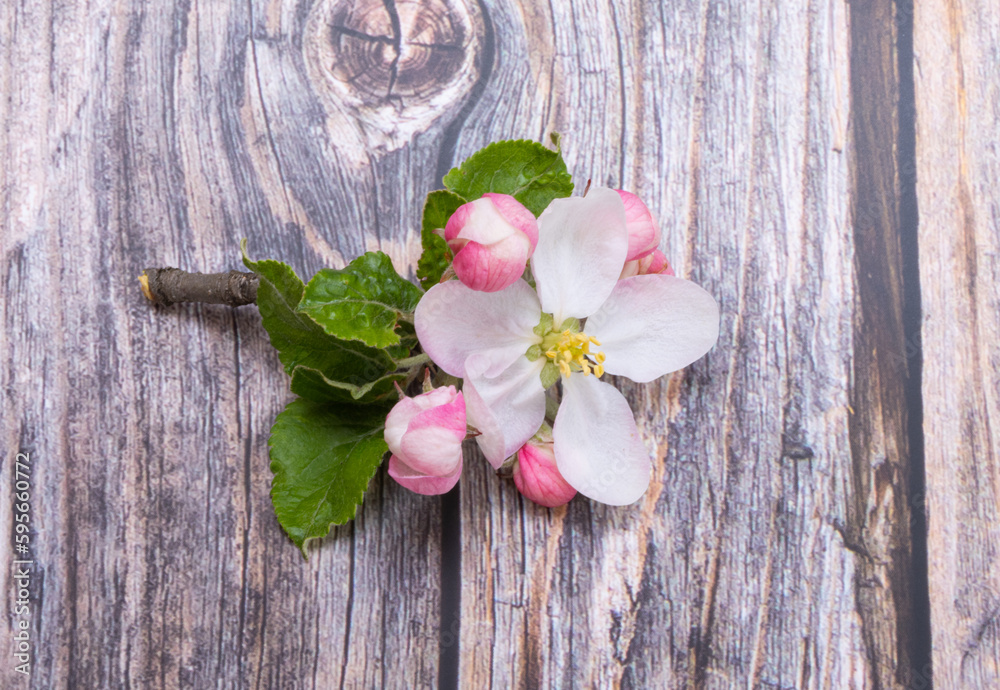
pixel 485 331
pixel 507 410
pixel 597 445
pixel 582 243
pixel 654 324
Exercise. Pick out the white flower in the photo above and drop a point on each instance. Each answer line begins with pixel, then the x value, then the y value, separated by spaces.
pixel 644 326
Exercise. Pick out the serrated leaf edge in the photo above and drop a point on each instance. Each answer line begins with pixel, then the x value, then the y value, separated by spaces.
pixel 311 310
pixel 304 318
pixel 275 472
pixel 558 157
pixel 427 279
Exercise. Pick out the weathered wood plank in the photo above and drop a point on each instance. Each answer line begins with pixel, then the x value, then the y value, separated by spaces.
pixel 771 549
pixel 137 135
pixel 958 165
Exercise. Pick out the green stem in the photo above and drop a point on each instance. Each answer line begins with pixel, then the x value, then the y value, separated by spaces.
pixel 415 361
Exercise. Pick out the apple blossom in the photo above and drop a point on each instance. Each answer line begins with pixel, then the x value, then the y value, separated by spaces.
pixel 492 239
pixel 536 475
pixel 425 435
pixel 510 345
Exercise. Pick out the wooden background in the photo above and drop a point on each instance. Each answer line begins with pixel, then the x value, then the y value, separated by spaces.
pixel 825 507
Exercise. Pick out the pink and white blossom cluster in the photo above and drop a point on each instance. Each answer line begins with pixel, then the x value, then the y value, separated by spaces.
pixel 603 299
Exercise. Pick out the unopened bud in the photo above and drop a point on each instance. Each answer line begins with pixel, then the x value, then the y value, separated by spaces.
pixel 537 477
pixel 425 435
pixel 492 239
pixel 643 231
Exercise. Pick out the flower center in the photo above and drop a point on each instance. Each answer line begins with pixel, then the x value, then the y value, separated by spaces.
pixel 566 350
pixel 570 351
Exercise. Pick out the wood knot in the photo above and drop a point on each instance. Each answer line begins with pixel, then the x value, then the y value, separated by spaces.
pixel 393 67
pixel 409 52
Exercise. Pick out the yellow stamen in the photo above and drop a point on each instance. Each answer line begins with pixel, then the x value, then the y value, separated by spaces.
pixel 572 353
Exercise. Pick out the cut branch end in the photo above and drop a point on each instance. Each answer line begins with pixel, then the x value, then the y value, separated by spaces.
pixel 166 286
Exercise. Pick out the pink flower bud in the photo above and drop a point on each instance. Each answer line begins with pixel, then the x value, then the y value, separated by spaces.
pixel 492 239
pixel 536 476
pixel 647 265
pixel 425 484
pixel 643 232
pixel 425 435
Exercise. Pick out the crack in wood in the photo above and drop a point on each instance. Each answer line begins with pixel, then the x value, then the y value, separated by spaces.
pixel 397 45
pixel 877 525
pixel 354 33
pixel 989 622
pixel 396 50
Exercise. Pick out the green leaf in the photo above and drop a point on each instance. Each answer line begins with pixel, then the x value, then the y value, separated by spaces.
pixel 323 458
pixel 531 173
pixel 299 340
pixel 362 301
pixel 314 386
pixel 436 257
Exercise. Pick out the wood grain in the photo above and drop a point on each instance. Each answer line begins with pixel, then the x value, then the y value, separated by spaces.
pixel 773 547
pixel 162 134
pixel 958 165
